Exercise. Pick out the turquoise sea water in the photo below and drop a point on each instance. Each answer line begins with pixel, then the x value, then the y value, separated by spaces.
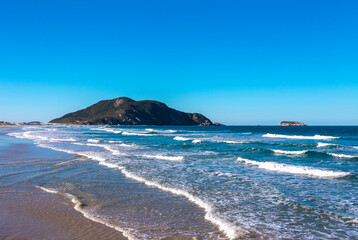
pixel 154 182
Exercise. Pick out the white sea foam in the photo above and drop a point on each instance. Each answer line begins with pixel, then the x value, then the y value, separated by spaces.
pixel 233 142
pixel 162 157
pixel 108 148
pixel 289 152
pixel 178 138
pixel 115 141
pixel 93 140
pixel 27 135
pixel 342 155
pixel 230 230
pixel 210 153
pixel 224 174
pixel 194 140
pixel 51 129
pixel 78 207
pixel 110 165
pixel 128 145
pixel 17 135
pixel 137 134
pixel 320 144
pixel 160 131
pixel 171 131
pixel 300 170
pixel 92 156
pixel 120 143
pixel 315 137
pixel 61 139
pixel 33 136
pixel 355 147
pixel 53 191
pixel 107 130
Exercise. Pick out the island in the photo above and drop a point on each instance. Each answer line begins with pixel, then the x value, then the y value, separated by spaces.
pixel 291 123
pixel 126 111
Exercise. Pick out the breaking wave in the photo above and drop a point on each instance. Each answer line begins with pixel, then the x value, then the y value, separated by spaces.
pixel 289 152
pixel 137 134
pixel 299 170
pixel 160 131
pixel 342 155
pixel 194 140
pixel 315 137
pixel 320 144
pixel 162 157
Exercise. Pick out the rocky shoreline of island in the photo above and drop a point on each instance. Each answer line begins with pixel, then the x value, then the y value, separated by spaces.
pixel 291 123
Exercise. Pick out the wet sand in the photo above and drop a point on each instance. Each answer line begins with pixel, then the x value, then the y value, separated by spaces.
pixel 29 213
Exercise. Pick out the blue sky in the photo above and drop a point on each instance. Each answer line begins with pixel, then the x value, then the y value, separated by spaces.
pixel 237 62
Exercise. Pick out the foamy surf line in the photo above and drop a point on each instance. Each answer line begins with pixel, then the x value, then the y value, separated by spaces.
pixel 107 130
pixel 78 207
pixel 160 131
pixel 315 137
pixel 337 155
pixel 320 144
pixel 178 138
pixel 30 135
pixel 195 140
pixel 299 170
pixel 282 152
pixel 162 157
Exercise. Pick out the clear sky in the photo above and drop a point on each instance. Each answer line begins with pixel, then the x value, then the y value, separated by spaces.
pixel 237 62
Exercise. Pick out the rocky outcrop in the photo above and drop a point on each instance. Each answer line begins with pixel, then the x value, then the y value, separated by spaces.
pixel 218 124
pixel 126 111
pixel 291 123
pixel 3 123
pixel 33 123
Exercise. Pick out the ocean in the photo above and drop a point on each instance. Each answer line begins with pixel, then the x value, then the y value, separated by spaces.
pixel 196 182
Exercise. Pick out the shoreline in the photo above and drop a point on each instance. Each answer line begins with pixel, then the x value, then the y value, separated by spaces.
pixel 32 213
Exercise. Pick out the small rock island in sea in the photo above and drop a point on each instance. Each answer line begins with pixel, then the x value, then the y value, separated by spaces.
pixel 291 123
pixel 126 111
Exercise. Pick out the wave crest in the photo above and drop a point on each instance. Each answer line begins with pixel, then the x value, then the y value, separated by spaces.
pixel 289 152
pixel 342 155
pixel 299 170
pixel 315 137
pixel 320 144
pixel 162 157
